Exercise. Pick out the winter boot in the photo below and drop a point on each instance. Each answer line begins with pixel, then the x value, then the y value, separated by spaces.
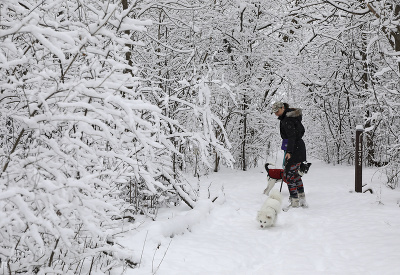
pixel 294 203
pixel 302 200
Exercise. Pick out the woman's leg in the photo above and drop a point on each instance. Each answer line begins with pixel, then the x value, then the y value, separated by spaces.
pixel 293 180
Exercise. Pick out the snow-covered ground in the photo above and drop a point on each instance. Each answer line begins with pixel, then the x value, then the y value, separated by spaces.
pixel 342 232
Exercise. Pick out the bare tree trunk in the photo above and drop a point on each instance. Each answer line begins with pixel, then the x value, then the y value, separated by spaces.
pixel 128 54
pixel 244 109
pixel 396 34
pixel 216 167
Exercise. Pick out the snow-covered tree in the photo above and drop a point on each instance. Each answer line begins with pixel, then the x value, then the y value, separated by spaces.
pixel 181 83
pixel 350 65
pixel 244 46
pixel 88 146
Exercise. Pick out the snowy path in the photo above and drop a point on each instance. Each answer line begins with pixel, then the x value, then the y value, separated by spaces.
pixel 341 232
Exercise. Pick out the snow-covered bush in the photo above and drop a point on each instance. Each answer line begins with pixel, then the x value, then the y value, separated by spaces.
pixel 88 145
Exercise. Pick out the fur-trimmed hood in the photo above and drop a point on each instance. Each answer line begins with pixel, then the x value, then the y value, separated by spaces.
pixel 294 112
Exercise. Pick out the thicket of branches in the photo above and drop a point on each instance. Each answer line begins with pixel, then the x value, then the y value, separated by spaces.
pixel 86 142
pixel 352 77
pixel 107 105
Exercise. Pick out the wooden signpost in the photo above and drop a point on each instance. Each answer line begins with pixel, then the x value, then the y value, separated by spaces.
pixel 358 158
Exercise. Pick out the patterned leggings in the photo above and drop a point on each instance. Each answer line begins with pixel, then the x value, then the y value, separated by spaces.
pixel 293 180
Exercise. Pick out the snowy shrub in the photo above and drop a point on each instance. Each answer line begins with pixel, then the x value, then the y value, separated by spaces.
pixel 85 143
pixel 79 114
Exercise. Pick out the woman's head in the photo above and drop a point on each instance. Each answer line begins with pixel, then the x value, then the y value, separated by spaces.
pixel 278 108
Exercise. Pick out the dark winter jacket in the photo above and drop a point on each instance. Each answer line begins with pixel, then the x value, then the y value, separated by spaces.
pixel 292 129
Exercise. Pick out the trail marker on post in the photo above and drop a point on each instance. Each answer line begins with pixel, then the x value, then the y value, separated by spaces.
pixel 358 160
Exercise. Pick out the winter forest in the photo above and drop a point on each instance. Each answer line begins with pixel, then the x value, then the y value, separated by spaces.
pixel 108 106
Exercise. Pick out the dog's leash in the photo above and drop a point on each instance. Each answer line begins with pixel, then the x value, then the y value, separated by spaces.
pixel 283 170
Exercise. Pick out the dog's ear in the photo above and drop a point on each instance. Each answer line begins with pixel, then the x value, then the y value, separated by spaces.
pixel 305 166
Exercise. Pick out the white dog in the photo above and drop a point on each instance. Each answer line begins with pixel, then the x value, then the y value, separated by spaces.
pixel 270 209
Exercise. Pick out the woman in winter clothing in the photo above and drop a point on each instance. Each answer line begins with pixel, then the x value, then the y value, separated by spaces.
pixel 292 131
